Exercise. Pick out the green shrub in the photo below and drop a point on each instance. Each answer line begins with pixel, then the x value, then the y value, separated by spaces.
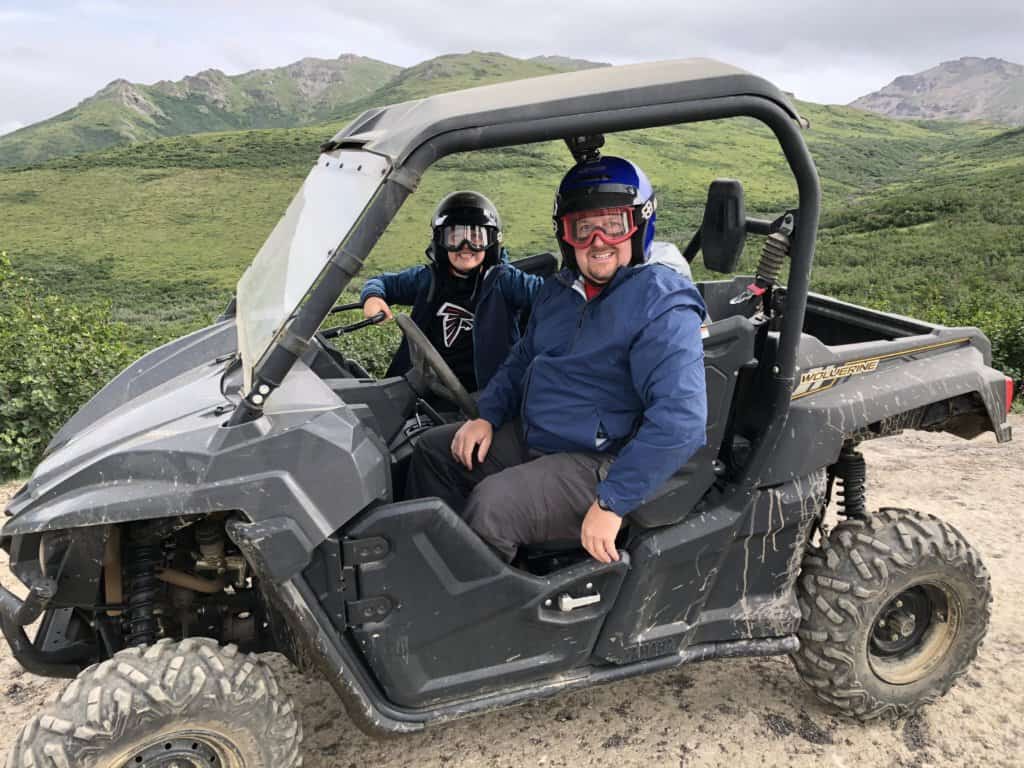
pixel 1003 324
pixel 371 347
pixel 54 354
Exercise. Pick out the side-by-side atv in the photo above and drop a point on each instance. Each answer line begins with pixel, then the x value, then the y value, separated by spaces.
pixel 239 490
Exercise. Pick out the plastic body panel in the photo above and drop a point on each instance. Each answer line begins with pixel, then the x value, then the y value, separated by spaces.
pixel 882 381
pixel 168 454
pixel 722 574
pixel 149 372
pixel 462 621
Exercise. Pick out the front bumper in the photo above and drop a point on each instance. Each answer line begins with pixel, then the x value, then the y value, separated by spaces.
pixel 16 614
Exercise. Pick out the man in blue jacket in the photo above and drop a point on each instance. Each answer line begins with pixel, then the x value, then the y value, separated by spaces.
pixel 468 300
pixel 604 397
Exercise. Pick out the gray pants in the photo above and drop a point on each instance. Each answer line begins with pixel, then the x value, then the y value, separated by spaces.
pixel 516 496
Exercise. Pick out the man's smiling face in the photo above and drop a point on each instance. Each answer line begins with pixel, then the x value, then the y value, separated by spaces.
pixel 601 240
pixel 599 261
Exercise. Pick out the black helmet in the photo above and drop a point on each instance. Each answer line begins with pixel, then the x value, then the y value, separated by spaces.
pixel 470 217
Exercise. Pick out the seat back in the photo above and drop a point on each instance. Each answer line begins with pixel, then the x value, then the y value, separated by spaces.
pixel 540 264
pixel 728 346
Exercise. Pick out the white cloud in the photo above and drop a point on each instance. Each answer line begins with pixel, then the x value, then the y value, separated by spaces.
pixel 15 17
pixel 9 127
pixel 823 51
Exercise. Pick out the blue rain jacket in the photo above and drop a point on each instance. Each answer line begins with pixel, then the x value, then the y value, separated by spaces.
pixel 622 373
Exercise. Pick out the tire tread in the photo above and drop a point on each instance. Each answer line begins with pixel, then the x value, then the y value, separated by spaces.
pixel 144 688
pixel 853 566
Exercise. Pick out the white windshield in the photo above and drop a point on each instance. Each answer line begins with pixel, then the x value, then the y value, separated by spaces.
pixel 331 199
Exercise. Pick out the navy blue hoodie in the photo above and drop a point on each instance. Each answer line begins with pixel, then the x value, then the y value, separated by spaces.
pixel 504 292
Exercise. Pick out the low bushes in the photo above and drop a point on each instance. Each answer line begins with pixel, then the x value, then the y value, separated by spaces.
pixel 54 355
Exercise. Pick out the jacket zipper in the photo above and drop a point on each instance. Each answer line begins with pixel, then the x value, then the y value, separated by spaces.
pixel 579 324
pixel 529 376
pixel 522 404
pixel 485 288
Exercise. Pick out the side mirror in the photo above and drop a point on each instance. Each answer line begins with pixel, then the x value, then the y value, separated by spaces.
pixel 724 230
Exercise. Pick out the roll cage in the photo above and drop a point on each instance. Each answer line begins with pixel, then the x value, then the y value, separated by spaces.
pixel 414 135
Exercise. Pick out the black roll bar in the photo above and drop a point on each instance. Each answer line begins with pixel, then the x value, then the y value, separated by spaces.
pixel 348 257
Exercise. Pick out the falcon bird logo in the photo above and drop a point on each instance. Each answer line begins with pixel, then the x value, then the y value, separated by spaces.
pixel 456 320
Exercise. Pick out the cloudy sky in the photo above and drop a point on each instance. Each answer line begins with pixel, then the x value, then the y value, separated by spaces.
pixel 54 53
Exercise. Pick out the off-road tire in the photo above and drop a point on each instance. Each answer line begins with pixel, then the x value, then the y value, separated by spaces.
pixel 191 694
pixel 857 573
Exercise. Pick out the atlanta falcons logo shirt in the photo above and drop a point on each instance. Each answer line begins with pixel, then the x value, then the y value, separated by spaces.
pixel 456 320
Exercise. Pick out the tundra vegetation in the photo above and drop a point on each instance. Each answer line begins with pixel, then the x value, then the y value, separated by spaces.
pixel 112 252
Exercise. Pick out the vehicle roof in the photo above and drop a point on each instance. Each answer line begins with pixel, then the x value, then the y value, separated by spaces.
pixel 397 130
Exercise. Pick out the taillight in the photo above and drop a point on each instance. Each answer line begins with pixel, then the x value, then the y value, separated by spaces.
pixel 1009 393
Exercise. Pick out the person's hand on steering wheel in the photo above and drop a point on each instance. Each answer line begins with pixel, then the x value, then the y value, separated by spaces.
pixel 430 371
pixel 375 304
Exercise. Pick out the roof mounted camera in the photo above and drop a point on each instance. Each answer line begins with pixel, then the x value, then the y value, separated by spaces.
pixel 585 148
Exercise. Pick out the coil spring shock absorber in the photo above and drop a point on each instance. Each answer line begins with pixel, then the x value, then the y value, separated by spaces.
pixel 141 562
pixel 851 471
pixel 773 256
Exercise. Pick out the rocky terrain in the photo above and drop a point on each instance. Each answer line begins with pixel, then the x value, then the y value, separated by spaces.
pixel 752 712
pixel 966 89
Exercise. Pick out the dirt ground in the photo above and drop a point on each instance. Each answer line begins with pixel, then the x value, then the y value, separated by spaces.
pixel 726 713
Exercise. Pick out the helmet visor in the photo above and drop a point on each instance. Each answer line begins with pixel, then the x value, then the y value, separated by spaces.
pixel 455 237
pixel 612 225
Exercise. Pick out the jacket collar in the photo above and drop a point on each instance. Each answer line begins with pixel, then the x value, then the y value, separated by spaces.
pixel 665 254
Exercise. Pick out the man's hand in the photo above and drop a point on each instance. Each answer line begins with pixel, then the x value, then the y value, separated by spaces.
pixel 376 304
pixel 600 527
pixel 470 435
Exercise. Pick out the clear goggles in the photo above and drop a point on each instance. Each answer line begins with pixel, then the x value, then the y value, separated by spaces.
pixel 612 225
pixel 476 237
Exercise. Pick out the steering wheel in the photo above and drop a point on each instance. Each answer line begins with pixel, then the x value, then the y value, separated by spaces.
pixel 431 369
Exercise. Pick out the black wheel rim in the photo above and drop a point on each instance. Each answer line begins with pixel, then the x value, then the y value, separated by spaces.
pixel 902 623
pixel 182 750
pixel 913 632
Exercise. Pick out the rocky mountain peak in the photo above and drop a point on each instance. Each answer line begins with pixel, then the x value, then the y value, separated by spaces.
pixel 968 88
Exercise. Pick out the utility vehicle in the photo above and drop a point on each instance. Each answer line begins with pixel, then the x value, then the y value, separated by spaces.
pixel 238 490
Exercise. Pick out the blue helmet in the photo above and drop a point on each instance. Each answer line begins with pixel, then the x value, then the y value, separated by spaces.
pixel 607 182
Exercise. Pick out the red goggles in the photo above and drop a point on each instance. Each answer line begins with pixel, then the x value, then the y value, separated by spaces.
pixel 612 225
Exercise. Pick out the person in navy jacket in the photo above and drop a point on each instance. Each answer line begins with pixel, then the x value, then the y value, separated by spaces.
pixel 467 300
pixel 601 401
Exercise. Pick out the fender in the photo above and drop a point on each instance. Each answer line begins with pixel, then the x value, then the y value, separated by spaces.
pixel 939 390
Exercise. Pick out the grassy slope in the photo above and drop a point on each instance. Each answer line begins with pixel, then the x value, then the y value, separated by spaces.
pixel 953 230
pixel 259 99
pixel 914 214
pixel 454 72
pixel 268 98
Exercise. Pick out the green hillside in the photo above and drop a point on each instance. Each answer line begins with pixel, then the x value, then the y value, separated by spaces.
pixel 306 91
pixel 164 229
pixel 921 218
pixel 456 71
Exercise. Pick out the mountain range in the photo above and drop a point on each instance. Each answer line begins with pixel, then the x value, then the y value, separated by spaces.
pixel 307 92
pixel 969 88
pixel 327 92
